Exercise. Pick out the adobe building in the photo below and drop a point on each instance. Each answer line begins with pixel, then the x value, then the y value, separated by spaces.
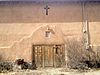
pixel 38 30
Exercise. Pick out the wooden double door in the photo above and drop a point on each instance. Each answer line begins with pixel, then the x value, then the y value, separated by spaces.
pixel 49 55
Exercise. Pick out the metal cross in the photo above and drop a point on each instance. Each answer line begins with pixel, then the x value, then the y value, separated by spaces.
pixel 46 8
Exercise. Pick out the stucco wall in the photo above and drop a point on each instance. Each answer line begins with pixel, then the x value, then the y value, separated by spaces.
pixel 35 12
pixel 27 22
pixel 23 47
pixel 17 20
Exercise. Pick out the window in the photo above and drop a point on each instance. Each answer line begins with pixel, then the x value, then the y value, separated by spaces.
pixel 47 34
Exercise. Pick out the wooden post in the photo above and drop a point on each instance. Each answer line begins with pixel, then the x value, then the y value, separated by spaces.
pixel 66 57
pixel 43 50
pixel 33 54
pixel 54 57
pixel 53 54
pixel 85 27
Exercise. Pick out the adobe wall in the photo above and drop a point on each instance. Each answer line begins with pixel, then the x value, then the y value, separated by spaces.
pixel 23 47
pixel 35 12
pixel 22 25
pixel 17 20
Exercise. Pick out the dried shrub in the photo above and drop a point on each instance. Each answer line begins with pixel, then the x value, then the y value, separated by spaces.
pixel 95 58
pixel 79 57
pixel 76 54
pixel 6 67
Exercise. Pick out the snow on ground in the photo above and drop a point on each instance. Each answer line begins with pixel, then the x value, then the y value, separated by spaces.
pixel 52 71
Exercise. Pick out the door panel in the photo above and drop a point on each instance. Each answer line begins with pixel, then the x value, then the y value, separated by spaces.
pixel 38 56
pixel 59 55
pixel 48 56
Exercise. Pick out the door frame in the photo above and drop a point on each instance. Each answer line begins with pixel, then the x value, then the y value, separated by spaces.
pixel 43 58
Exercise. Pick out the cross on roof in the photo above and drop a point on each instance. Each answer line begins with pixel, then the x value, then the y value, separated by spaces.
pixel 46 8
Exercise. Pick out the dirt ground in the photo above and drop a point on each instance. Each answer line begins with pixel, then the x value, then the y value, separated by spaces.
pixel 53 71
